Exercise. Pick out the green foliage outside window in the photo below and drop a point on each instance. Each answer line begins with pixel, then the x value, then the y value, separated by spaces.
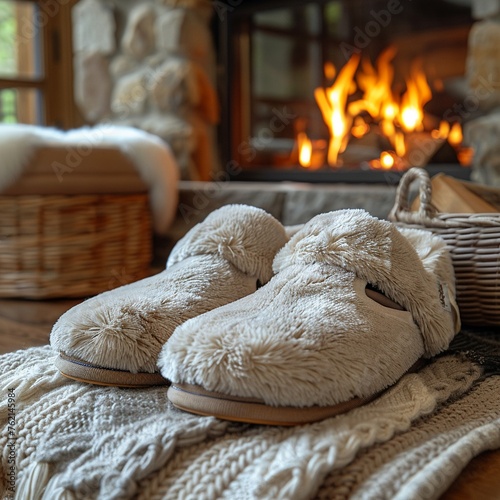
pixel 7 60
pixel 7 38
pixel 8 112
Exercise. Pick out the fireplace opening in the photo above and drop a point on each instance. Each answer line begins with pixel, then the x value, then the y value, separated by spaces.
pixel 343 91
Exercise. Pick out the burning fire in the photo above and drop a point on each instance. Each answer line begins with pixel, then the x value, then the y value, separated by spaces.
pixel 455 136
pixel 333 105
pixel 376 109
pixel 305 149
pixel 418 94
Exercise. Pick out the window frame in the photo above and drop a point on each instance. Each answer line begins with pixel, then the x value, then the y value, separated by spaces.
pixel 56 82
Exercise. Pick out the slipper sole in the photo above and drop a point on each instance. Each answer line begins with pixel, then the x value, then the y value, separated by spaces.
pixel 195 399
pixel 81 371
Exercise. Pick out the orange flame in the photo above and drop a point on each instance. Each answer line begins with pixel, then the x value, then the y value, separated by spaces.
pixel 455 137
pixel 453 133
pixel 360 128
pixel 330 70
pixel 332 103
pixel 386 160
pixel 376 86
pixel 376 106
pixel 399 144
pixel 418 93
pixel 305 149
pixel 444 129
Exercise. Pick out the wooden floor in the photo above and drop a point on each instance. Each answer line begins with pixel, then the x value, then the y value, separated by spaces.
pixel 25 323
pixel 28 323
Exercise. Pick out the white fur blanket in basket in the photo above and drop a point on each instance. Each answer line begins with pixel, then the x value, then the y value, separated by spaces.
pixel 70 440
pixel 150 155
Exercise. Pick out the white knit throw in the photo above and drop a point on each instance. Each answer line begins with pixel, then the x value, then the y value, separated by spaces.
pixel 77 441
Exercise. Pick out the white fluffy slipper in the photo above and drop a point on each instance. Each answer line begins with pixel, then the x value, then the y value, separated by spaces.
pixel 355 304
pixel 115 337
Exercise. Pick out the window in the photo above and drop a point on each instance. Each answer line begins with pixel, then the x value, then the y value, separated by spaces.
pixel 36 62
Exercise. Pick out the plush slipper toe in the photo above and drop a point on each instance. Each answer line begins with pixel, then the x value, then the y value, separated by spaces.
pixel 354 305
pixel 115 337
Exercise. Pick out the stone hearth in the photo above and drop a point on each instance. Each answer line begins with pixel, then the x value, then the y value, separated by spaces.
pixel 291 203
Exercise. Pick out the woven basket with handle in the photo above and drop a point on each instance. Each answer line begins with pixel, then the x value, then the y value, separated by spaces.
pixel 474 244
pixel 72 245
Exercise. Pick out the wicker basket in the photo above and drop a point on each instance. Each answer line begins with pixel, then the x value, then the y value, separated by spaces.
pixel 474 244
pixel 72 245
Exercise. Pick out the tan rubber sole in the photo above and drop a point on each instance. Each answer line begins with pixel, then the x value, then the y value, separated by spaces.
pixel 195 399
pixel 81 371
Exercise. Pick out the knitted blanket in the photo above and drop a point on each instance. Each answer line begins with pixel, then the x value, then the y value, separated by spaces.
pixel 63 439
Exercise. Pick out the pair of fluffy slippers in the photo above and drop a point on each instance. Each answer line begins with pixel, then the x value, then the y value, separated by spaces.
pixel 348 306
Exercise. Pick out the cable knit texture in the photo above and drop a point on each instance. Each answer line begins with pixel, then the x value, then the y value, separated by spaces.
pixel 312 336
pixel 422 462
pixel 218 261
pixel 82 441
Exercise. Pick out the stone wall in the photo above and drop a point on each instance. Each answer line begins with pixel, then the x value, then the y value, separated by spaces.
pixel 150 64
pixel 483 78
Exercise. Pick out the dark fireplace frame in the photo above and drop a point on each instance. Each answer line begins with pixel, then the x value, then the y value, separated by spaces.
pixel 224 23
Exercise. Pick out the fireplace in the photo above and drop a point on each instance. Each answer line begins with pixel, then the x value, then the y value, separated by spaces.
pixel 343 90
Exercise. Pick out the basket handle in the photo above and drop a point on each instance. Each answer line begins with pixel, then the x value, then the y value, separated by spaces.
pixel 401 209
